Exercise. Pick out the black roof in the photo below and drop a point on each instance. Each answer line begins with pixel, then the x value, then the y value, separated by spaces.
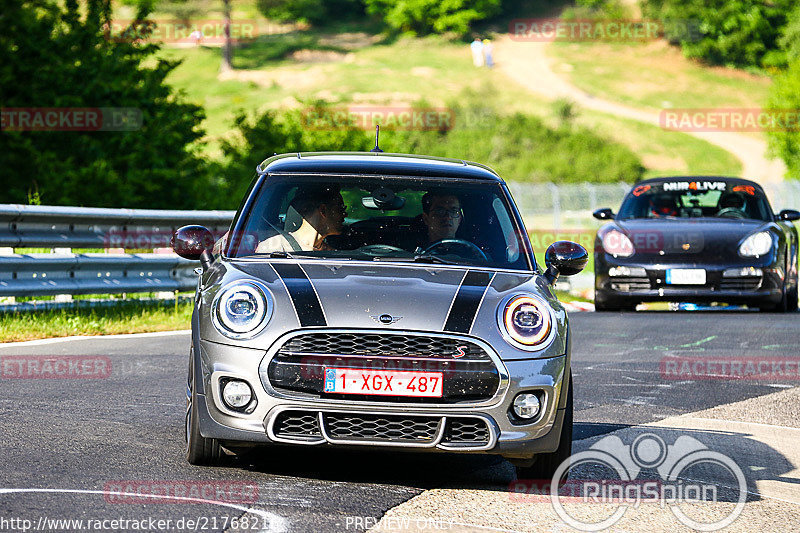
pixel 376 163
pixel 729 179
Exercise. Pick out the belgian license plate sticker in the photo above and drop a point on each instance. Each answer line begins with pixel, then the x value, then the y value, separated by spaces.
pixel 383 382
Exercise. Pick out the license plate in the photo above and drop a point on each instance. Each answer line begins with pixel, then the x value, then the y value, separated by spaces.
pixel 383 382
pixel 686 276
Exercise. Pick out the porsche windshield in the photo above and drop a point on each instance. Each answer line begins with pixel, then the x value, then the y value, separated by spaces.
pixel 696 199
pixel 382 219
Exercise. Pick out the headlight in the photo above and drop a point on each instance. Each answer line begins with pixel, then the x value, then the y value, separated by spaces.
pixel 617 243
pixel 756 244
pixel 242 309
pixel 526 322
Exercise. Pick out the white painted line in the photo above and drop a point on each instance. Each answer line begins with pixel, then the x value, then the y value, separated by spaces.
pixel 277 524
pixel 53 340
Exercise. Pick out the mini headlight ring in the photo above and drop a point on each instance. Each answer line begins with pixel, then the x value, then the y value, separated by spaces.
pixel 234 302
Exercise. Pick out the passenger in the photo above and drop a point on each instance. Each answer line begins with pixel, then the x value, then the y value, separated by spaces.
pixel 663 206
pixel 313 214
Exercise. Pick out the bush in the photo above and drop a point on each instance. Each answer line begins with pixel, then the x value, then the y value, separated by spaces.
pixel 433 16
pixel 522 148
pixel 785 95
pixel 315 11
pixel 741 33
pixel 258 138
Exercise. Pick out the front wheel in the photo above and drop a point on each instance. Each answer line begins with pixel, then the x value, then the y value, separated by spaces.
pixel 199 450
pixel 546 464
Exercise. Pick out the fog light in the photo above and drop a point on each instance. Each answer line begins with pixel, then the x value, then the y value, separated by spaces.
pixel 527 405
pixel 236 394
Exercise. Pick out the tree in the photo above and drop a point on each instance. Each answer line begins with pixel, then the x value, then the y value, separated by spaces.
pixel 426 16
pixel 61 55
pixel 785 96
pixel 742 33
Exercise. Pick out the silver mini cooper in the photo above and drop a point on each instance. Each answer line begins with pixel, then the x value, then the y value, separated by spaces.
pixel 386 300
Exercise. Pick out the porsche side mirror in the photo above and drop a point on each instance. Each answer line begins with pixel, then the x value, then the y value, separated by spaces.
pixel 564 258
pixel 194 243
pixel 789 214
pixel 603 214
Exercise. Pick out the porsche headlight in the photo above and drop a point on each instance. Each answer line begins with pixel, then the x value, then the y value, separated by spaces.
pixel 756 244
pixel 242 309
pixel 617 243
pixel 526 322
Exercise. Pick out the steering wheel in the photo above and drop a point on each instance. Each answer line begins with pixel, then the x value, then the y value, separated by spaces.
pixel 731 212
pixel 471 248
pixel 380 249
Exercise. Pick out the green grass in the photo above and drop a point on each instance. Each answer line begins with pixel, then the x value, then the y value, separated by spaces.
pixel 398 73
pixel 124 318
pixel 656 76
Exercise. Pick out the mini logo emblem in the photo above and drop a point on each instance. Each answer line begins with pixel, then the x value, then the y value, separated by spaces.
pixel 385 319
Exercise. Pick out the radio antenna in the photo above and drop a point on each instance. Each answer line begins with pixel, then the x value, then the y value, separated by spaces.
pixel 377 134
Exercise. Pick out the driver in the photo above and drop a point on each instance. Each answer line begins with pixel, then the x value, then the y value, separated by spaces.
pixel 313 214
pixel 731 203
pixel 442 215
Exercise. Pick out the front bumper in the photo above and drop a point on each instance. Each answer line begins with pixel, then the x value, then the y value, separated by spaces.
pixel 503 435
pixel 648 282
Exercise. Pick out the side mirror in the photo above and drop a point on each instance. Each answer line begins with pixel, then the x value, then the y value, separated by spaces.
pixel 194 243
pixel 564 258
pixel 789 214
pixel 603 214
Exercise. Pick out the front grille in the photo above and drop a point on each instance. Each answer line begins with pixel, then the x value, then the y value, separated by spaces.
pixel 384 428
pixel 297 424
pixel 749 283
pixel 460 432
pixel 630 284
pixel 468 372
pixel 466 431
pixel 379 345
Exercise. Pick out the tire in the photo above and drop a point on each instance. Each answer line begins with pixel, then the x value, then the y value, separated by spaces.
pixel 546 464
pixel 199 450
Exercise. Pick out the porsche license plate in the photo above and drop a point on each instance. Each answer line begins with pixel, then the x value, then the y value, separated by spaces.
pixel 686 276
pixel 383 382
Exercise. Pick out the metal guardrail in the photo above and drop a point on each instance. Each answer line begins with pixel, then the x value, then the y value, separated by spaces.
pixel 42 274
pixel 35 226
pixel 50 274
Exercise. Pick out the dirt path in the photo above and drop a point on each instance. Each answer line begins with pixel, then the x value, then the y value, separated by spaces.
pixel 527 63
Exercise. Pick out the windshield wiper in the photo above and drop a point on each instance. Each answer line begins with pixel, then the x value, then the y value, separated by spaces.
pixel 428 258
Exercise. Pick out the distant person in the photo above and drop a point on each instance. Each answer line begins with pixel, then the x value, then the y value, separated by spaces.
pixel 313 214
pixel 487 53
pixel 477 52
pixel 196 36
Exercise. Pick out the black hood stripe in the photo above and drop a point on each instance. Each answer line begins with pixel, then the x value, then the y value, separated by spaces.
pixel 467 300
pixel 304 297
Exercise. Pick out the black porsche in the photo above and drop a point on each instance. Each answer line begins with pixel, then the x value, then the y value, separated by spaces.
pixel 696 239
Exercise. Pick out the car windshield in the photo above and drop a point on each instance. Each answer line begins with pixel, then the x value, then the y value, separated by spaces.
pixel 382 219
pixel 696 199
